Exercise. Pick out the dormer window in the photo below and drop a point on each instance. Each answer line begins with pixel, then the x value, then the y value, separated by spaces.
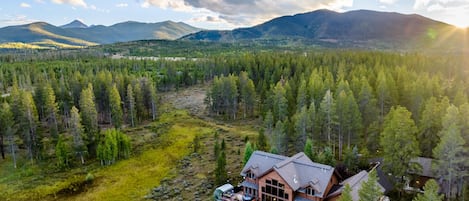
pixel 310 191
pixel 250 175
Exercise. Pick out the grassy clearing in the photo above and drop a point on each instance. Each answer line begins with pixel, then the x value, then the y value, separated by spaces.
pixel 132 179
pixel 129 179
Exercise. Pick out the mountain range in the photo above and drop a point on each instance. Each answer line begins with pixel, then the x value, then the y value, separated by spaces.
pixel 78 34
pixel 360 28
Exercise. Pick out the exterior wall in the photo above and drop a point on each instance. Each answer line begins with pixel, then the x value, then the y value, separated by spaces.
pixel 274 175
pixel 333 181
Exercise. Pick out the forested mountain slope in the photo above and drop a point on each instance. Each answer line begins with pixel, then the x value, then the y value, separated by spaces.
pixel 77 34
pixel 361 28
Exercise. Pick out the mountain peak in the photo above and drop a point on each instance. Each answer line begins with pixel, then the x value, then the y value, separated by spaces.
pixel 75 24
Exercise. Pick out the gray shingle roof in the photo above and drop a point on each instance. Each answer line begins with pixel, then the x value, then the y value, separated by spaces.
pixel 355 183
pixel 298 171
pixel 260 162
pixel 426 164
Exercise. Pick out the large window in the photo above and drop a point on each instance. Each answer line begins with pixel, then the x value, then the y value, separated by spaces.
pixel 273 191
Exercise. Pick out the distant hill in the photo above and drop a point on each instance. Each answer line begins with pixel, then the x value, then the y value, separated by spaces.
pixel 78 34
pixel 74 24
pixel 361 28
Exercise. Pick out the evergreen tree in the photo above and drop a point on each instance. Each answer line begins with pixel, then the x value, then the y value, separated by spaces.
pixel 302 124
pixel 27 122
pixel 327 115
pixel 370 190
pixel 116 107
pixel 247 94
pixel 248 150
pixel 280 103
pixel 430 124
pixel 451 164
pixel 308 150
pixel 399 142
pixel 114 146
pixel 327 157
pixel 220 172
pixel 7 130
pixel 261 143
pixel 62 153
pixel 383 93
pixel 131 105
pixel 346 194
pixel 89 118
pixel 51 110
pixel 351 159
pixel 76 130
pixel 279 144
pixel 367 103
pixel 430 192
pixel 302 97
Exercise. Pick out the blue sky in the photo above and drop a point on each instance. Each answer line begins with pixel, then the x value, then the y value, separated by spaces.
pixel 212 14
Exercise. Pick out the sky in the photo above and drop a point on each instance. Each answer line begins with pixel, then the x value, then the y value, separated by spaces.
pixel 212 14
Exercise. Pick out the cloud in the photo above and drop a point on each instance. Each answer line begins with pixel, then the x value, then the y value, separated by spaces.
pixel 249 12
pixel 122 5
pixel 16 19
pixel 388 1
pixel 206 18
pixel 25 5
pixel 81 3
pixel 93 7
pixel 451 11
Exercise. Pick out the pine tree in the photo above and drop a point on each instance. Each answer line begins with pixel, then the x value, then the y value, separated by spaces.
pixel 247 94
pixel 430 192
pixel 261 143
pixel 383 93
pixel 114 146
pixel 248 150
pixel 89 118
pixel 279 144
pixel 220 172
pixel 399 142
pixel 430 124
pixel 62 153
pixel 51 110
pixel 116 107
pixel 7 130
pixel 451 164
pixel 76 130
pixel 27 122
pixel 308 149
pixel 370 190
pixel 131 105
pixel 346 194
pixel 327 114
pixel 302 124
pixel 280 103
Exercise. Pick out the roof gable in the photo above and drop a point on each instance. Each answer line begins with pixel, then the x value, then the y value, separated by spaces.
pixel 261 162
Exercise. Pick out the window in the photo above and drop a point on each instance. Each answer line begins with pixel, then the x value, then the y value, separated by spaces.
pixel 310 191
pixel 273 191
pixel 250 175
